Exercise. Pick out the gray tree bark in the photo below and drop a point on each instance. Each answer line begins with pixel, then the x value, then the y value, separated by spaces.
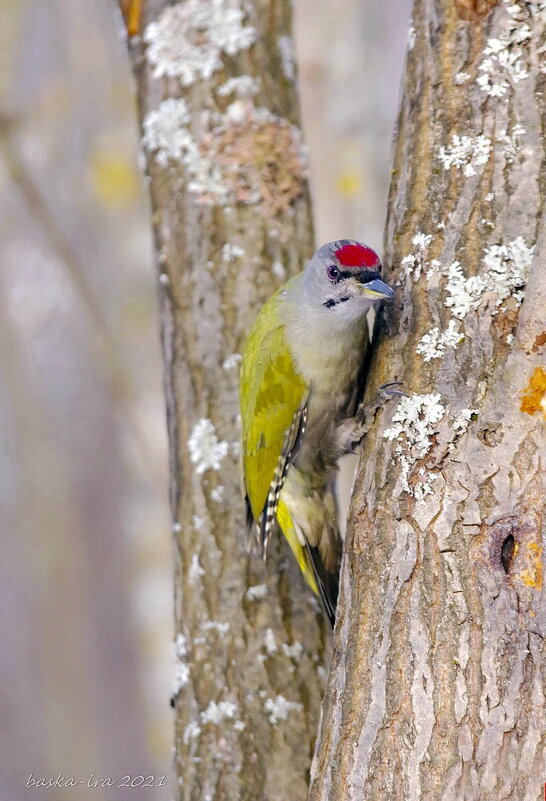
pixel 437 683
pixel 231 218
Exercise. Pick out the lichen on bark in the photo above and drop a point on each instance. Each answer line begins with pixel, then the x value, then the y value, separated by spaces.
pixel 220 124
pixel 437 683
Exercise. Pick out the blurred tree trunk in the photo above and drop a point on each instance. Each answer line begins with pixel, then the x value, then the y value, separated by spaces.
pixel 231 218
pixel 437 683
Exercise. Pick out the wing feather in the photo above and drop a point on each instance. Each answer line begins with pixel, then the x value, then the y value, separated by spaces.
pixel 273 397
pixel 292 438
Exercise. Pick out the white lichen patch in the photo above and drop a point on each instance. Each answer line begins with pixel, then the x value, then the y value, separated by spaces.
pixel 510 142
pixel 232 361
pixel 421 241
pixel 180 646
pixel 288 57
pixel 413 425
pixel 414 422
pixel 198 522
pixel 231 252
pixel 205 178
pixel 461 78
pixel 415 262
pixel 206 451
pixel 434 343
pixel 507 267
pixel 293 651
pixel 278 269
pixel 433 267
pixel 279 708
pixel 257 592
pixel 165 133
pixel 191 732
pixel 218 712
pixel 504 275
pixel 269 642
pixel 195 571
pixel 466 153
pixel 168 139
pixel 504 62
pixel 507 55
pixel 240 86
pixel 181 667
pixel 460 424
pixel 189 39
pixel 217 494
pixel 463 294
pixel 502 66
pixel 214 625
pixel 521 10
pixel 236 112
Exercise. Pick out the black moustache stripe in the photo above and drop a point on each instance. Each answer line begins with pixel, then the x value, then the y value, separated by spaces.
pixel 331 302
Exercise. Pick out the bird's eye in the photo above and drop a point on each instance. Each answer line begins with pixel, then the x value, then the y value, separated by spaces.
pixel 333 272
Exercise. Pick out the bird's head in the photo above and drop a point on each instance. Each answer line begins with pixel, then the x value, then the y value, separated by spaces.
pixel 344 278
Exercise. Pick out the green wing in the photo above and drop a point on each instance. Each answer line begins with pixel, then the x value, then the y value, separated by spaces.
pixel 271 394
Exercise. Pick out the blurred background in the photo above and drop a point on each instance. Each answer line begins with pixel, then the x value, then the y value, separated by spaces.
pixel 85 574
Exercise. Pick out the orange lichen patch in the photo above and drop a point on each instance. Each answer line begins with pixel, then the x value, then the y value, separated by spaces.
pixel 132 10
pixel 532 575
pixel 468 9
pixel 534 399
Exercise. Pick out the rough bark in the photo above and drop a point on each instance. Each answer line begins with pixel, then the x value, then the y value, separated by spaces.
pixel 251 641
pixel 437 682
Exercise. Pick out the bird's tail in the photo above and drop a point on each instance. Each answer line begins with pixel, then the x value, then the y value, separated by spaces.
pixel 323 582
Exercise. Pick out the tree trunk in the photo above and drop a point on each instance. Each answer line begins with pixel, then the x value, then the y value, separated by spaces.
pixel 437 682
pixel 232 222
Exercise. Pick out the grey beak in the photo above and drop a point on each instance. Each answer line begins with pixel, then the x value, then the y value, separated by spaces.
pixel 378 290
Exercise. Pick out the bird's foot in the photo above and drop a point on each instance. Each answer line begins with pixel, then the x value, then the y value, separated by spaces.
pixel 390 391
pixel 361 423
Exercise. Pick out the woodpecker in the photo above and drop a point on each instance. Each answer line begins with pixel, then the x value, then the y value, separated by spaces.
pixel 300 379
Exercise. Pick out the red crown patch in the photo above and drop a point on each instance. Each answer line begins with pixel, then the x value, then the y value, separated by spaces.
pixel 357 256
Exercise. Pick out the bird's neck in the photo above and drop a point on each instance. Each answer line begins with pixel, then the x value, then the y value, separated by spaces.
pixel 326 351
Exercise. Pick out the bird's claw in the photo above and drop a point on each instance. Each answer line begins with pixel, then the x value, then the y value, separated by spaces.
pixel 389 392
pixel 365 415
